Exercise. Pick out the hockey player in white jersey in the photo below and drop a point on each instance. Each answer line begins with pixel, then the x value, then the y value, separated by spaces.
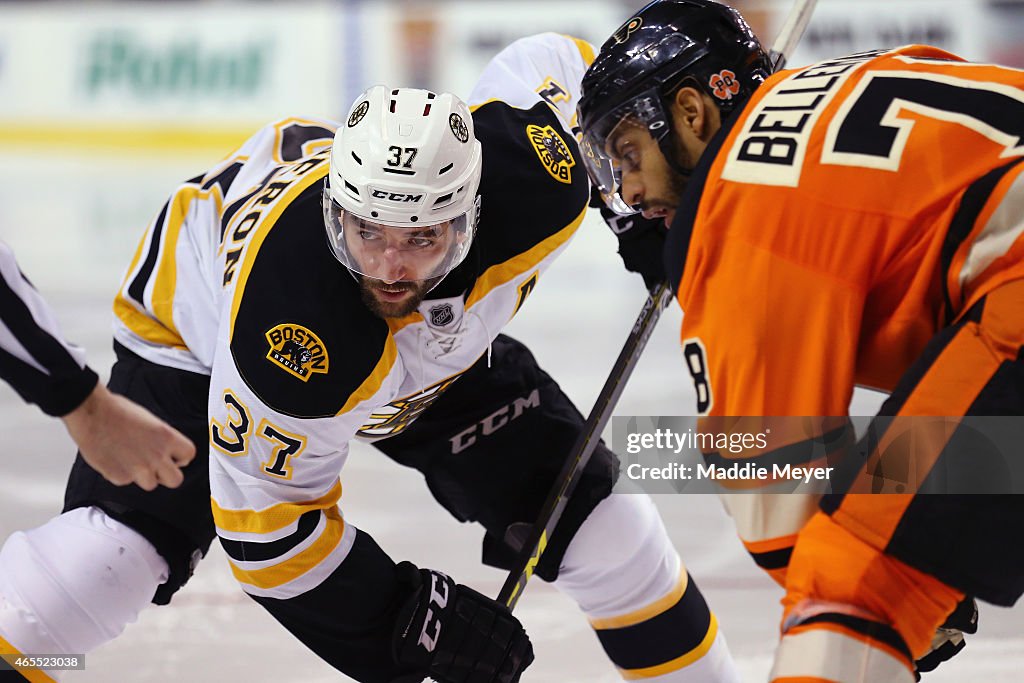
pixel 124 442
pixel 273 345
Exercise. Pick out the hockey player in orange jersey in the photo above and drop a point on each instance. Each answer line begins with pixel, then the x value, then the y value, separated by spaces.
pixel 853 222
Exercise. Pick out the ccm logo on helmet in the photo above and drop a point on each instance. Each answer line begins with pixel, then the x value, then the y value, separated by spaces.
pixel 396 196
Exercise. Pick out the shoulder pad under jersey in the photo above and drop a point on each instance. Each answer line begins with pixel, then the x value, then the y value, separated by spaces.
pixel 546 67
pixel 533 185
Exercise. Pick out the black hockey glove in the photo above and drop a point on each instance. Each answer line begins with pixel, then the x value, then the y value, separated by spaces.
pixel 949 639
pixel 641 242
pixel 455 635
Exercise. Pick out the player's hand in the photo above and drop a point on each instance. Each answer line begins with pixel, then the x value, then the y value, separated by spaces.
pixel 126 443
pixel 641 242
pixel 949 638
pixel 456 635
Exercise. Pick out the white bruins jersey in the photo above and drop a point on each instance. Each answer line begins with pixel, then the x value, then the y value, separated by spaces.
pixel 235 279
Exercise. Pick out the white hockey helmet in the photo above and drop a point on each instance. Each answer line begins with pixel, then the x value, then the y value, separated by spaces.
pixel 405 171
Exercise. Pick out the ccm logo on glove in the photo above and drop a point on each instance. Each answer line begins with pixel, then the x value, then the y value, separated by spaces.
pixel 432 623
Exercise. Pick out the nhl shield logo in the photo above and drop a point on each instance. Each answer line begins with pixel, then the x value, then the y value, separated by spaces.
pixel 441 315
pixel 297 350
pixel 553 152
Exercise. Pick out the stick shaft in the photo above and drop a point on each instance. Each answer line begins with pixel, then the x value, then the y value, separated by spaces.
pixel 796 23
pixel 657 299
pixel 569 477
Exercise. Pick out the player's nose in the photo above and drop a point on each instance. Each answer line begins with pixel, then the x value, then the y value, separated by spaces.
pixel 391 266
pixel 632 190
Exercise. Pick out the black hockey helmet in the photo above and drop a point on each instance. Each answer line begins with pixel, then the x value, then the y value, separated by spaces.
pixel 647 59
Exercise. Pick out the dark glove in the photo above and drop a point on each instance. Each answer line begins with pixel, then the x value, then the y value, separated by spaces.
pixel 949 639
pixel 456 635
pixel 641 242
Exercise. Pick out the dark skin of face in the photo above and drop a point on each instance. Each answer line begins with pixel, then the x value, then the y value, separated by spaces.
pixel 648 181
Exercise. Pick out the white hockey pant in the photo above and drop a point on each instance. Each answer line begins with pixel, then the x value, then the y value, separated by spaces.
pixel 74 583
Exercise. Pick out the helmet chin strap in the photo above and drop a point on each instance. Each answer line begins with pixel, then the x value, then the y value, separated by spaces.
pixel 669 143
pixel 669 146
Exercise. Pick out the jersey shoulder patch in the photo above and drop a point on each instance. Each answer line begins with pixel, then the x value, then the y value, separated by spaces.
pixel 533 183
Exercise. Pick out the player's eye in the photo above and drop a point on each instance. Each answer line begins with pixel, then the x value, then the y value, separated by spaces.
pixel 630 159
pixel 427 237
pixel 368 235
pixel 613 149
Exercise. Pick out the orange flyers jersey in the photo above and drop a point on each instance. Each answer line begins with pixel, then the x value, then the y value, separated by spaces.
pixel 829 242
pixel 850 210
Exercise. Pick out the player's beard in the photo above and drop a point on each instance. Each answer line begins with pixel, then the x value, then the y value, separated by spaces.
pixel 673 194
pixel 677 186
pixel 678 177
pixel 667 193
pixel 667 201
pixel 368 287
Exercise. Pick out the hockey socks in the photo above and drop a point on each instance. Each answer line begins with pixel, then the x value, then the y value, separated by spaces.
pixel 647 612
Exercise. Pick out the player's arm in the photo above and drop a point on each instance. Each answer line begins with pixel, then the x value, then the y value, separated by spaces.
pixel 524 115
pixel 549 67
pixel 35 359
pixel 546 67
pixel 121 440
pixel 804 362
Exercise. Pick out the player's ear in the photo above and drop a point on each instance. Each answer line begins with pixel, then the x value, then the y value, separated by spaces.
pixel 692 112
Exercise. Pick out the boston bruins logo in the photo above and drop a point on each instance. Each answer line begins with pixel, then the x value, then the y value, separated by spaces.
pixel 459 128
pixel 358 113
pixel 297 350
pixel 400 413
pixel 553 152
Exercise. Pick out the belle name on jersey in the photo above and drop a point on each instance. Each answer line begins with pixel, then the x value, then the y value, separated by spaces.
pixel 771 146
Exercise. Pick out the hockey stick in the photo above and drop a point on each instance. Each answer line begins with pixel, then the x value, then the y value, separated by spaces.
pixel 791 33
pixel 533 545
